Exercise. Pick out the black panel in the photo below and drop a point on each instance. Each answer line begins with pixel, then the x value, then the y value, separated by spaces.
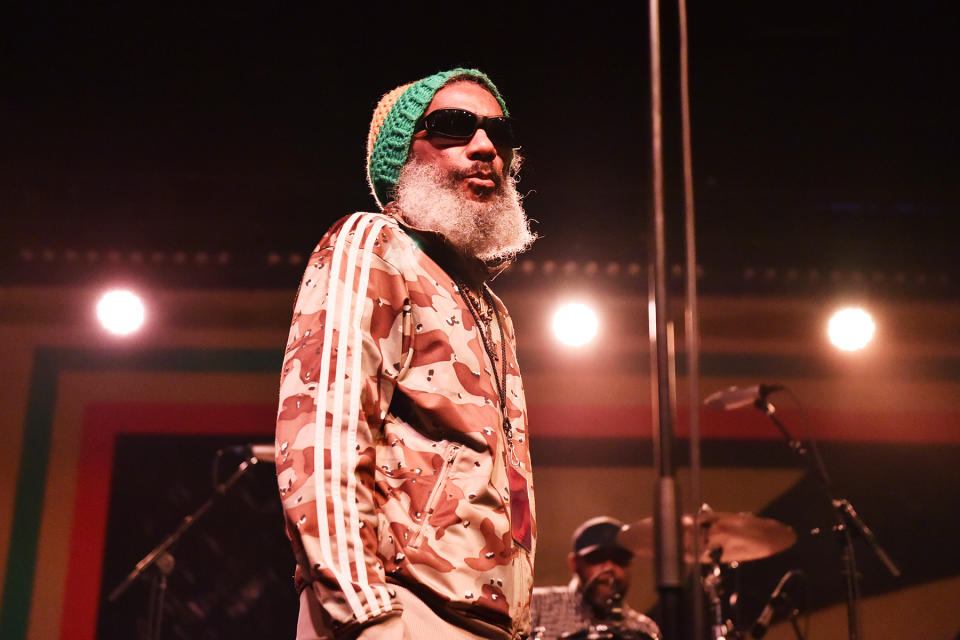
pixel 234 568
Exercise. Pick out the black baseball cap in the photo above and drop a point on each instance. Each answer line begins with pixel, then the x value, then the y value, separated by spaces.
pixel 598 533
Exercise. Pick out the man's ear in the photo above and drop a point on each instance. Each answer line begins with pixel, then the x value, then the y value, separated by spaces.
pixel 572 560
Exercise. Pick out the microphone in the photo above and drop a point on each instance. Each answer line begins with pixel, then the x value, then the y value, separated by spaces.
pixel 262 452
pixel 759 628
pixel 736 397
pixel 614 606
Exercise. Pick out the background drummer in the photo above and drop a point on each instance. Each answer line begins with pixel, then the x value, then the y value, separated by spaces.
pixel 594 596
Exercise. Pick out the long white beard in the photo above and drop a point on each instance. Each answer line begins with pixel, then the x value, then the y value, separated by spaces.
pixel 493 231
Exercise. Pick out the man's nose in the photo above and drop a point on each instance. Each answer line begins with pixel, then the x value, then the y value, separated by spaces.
pixel 480 147
pixel 611 567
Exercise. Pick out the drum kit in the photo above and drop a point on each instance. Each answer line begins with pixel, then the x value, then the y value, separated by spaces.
pixel 720 539
pixel 713 539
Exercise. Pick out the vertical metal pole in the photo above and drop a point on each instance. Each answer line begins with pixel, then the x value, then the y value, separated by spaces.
pixel 692 318
pixel 666 517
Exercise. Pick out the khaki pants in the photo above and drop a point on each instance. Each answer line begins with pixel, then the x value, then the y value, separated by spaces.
pixel 419 622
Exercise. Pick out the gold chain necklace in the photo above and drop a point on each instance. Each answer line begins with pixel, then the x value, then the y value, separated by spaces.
pixel 500 380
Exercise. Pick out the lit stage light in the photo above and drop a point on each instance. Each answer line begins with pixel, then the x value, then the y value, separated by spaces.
pixel 851 329
pixel 575 324
pixel 121 312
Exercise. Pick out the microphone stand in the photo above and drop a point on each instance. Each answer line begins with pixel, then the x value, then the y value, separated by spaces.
pixel 794 614
pixel 667 532
pixel 846 518
pixel 161 560
pixel 796 626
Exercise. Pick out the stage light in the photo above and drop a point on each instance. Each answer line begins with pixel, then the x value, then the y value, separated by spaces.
pixel 121 312
pixel 575 324
pixel 851 329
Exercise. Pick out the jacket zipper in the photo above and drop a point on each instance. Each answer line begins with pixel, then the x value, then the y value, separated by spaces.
pixel 438 488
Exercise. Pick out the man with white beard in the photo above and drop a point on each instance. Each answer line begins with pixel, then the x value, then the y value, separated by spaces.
pixel 402 440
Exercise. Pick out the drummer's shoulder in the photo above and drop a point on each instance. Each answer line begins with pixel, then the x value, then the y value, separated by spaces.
pixel 551 603
pixel 639 622
pixel 553 611
pixel 550 598
pixel 556 590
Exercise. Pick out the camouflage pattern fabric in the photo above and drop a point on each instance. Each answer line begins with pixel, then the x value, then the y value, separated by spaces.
pixel 560 609
pixel 391 459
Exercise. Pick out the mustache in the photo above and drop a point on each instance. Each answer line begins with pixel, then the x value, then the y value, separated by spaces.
pixel 479 169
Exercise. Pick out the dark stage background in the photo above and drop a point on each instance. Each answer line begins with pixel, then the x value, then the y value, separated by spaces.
pixel 824 134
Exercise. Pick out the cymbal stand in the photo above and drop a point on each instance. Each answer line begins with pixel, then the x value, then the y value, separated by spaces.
pixel 792 617
pixel 720 629
pixel 161 560
pixel 846 518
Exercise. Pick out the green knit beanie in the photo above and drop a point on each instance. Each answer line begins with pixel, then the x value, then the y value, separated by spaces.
pixel 391 130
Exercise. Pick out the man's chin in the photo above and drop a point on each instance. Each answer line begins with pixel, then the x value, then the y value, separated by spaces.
pixel 476 193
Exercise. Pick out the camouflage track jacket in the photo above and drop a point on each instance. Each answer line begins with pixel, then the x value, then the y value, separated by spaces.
pixel 410 470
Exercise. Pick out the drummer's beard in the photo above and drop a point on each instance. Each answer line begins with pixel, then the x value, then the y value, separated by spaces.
pixel 603 592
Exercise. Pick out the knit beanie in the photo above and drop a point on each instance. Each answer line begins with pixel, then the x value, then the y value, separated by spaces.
pixel 391 130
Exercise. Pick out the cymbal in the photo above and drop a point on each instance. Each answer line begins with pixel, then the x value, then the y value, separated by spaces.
pixel 740 537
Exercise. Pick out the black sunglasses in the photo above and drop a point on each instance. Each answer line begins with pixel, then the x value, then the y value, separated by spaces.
pixel 460 124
